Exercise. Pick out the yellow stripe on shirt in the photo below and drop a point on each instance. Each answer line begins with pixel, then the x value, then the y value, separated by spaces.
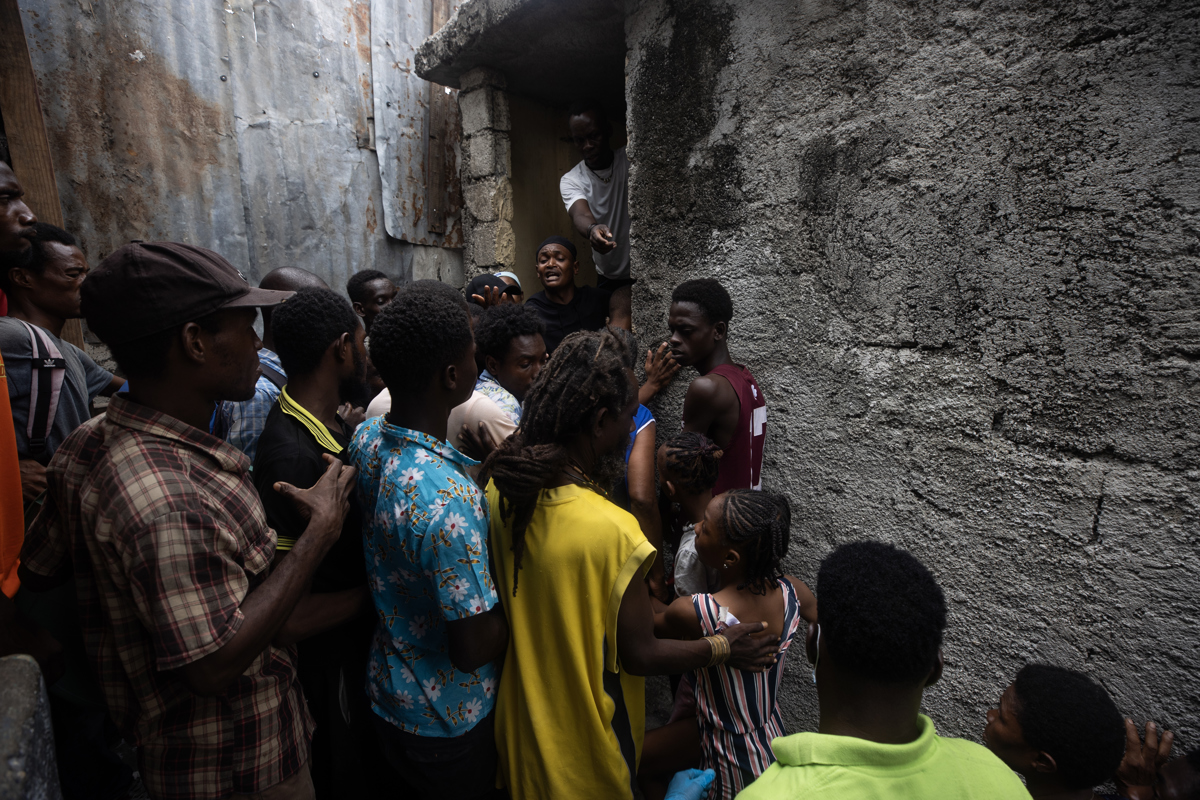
pixel 324 438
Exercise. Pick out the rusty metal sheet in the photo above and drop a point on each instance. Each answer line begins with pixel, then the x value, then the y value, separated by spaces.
pixel 403 123
pixel 238 125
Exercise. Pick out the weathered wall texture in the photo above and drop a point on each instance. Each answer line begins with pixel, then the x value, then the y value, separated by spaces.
pixel 28 768
pixel 241 126
pixel 962 242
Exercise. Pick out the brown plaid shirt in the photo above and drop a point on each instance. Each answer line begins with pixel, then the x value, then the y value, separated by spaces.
pixel 167 536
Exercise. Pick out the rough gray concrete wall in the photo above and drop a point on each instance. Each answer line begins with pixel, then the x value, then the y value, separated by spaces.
pixel 28 769
pixel 962 242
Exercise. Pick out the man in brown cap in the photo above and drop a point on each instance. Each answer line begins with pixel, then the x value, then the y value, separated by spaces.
pixel 160 524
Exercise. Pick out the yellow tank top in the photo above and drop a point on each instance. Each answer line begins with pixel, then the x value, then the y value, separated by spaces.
pixel 569 720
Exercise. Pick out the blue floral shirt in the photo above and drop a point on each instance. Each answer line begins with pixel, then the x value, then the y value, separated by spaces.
pixel 506 400
pixel 424 536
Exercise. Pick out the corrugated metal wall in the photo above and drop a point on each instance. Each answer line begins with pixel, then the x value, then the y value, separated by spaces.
pixel 241 126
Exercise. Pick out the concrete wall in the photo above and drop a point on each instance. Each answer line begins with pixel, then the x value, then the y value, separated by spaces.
pixel 28 768
pixel 962 245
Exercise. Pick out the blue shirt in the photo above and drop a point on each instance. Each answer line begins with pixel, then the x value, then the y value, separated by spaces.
pixel 641 419
pixel 246 419
pixel 425 541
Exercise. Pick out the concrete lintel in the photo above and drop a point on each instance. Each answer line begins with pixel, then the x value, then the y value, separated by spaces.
pixel 524 41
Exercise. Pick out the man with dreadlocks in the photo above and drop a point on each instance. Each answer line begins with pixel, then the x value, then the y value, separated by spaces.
pixel 744 537
pixel 570 713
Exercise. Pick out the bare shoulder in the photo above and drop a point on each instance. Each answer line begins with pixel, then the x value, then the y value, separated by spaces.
pixel 681 619
pixel 807 600
pixel 712 389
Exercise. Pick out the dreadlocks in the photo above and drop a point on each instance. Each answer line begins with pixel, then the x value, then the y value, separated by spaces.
pixel 586 373
pixel 693 460
pixel 757 523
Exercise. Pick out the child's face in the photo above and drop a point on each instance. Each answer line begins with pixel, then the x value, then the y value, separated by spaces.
pixel 711 546
pixel 1004 737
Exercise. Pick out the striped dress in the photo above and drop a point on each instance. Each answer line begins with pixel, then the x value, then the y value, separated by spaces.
pixel 737 710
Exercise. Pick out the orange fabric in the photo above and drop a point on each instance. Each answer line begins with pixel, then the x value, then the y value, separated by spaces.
pixel 12 517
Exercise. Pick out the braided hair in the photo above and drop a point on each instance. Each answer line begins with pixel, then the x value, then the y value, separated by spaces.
pixel 585 374
pixel 757 523
pixel 693 460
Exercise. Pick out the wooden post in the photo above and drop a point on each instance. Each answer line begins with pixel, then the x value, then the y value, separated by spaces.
pixel 442 116
pixel 26 131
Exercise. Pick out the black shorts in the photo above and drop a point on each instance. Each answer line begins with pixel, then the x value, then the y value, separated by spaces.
pixel 431 764
pixel 612 284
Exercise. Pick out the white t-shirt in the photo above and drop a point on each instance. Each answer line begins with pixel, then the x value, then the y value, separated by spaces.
pixel 607 194
pixel 478 408
pixel 691 576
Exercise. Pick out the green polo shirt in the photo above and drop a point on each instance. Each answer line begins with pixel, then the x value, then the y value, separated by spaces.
pixel 817 765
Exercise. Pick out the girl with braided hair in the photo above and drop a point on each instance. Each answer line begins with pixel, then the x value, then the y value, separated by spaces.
pixel 571 567
pixel 744 537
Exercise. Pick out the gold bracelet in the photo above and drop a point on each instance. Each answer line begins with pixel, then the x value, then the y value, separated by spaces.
pixel 720 649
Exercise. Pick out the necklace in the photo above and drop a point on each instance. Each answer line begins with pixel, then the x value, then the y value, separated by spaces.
pixel 578 477
pixel 597 172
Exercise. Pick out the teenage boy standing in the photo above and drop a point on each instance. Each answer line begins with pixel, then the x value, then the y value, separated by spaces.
pixel 431 678
pixel 319 339
pixel 724 403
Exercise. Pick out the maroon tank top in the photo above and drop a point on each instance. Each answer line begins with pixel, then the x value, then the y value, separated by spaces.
pixel 741 466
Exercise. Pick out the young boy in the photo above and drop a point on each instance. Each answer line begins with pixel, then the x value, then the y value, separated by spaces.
pixel 431 679
pixel 689 465
pixel 1059 729
pixel 724 403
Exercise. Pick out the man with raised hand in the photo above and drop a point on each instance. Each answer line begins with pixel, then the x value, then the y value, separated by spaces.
pixel 596 194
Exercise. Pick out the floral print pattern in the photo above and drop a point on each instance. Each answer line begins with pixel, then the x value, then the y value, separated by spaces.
pixel 489 387
pixel 424 537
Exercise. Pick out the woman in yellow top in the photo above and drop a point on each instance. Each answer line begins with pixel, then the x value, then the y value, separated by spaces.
pixel 570 569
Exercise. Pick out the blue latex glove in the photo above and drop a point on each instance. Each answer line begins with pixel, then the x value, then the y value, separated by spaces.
pixel 691 784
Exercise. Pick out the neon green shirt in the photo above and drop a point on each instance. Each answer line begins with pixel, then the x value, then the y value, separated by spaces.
pixel 818 765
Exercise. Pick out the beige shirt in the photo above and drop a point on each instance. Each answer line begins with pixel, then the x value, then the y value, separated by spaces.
pixel 479 408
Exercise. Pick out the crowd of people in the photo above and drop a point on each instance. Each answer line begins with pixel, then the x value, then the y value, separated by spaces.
pixel 414 541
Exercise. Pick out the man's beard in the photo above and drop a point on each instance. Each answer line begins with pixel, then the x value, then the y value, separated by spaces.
pixel 353 390
pixel 608 469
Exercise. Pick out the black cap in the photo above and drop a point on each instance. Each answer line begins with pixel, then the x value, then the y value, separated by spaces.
pixel 564 241
pixel 145 288
pixel 475 287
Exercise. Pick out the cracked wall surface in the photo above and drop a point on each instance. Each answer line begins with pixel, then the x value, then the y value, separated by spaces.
pixel 963 246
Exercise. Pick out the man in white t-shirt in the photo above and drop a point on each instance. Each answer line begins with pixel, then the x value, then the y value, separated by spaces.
pixel 596 196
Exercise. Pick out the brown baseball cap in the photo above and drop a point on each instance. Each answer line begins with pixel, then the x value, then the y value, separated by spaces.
pixel 148 287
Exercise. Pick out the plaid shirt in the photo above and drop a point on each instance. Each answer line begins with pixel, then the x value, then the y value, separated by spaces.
pixel 246 419
pixel 167 536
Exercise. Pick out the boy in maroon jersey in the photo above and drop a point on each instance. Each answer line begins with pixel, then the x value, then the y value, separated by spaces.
pixel 724 403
